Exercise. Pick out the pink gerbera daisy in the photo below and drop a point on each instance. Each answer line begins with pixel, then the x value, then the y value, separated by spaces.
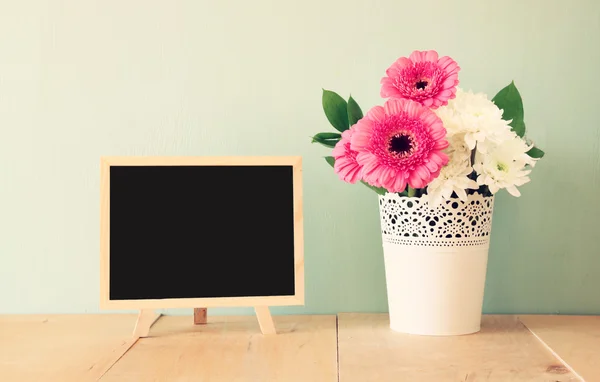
pixel 398 144
pixel 345 159
pixel 422 77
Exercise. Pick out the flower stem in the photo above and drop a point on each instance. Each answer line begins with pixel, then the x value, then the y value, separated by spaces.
pixel 473 155
pixel 411 192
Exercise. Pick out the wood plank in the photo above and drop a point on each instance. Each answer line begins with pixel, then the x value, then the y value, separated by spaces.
pixel 62 348
pixel 504 350
pixel 573 339
pixel 232 348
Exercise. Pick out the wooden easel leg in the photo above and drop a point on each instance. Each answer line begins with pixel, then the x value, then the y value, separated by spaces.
pixel 265 320
pixel 200 316
pixel 146 318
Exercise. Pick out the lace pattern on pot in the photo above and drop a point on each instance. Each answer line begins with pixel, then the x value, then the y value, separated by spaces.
pixel 411 221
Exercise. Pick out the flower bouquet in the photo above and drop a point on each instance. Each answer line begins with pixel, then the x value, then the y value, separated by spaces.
pixel 436 155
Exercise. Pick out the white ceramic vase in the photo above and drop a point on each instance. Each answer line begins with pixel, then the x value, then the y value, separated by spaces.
pixel 435 262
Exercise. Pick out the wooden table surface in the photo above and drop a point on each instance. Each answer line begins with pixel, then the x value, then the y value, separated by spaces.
pixel 64 348
pixel 320 348
pixel 232 349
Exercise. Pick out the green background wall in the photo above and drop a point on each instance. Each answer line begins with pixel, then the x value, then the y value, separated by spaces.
pixel 82 79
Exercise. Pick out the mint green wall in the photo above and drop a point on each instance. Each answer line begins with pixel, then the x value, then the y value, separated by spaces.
pixel 82 79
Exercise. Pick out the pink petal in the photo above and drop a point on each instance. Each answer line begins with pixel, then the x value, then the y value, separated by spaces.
pixel 449 82
pixel 437 131
pixel 362 135
pixel 452 94
pixel 430 118
pixel 415 180
pixel 428 102
pixel 423 173
pixel 431 55
pixel 393 106
pixel 346 166
pixel 441 144
pixel 444 94
pixel 387 174
pixel 339 149
pixel 388 89
pixel 447 64
pixel 400 64
pixel 439 157
pixel 415 56
pixel 392 71
pixel 437 103
pixel 436 174
pixel 383 173
pixel 347 169
pixel 413 109
pixel 399 183
pixel 432 166
pixel 369 163
pixel 418 56
pixel 376 114
pixel 343 163
pixel 353 176
pixel 375 184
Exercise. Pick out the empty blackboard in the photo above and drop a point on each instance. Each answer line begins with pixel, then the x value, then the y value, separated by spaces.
pixel 201 231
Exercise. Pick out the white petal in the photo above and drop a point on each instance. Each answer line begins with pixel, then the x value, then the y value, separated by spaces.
pixel 462 195
pixel 522 181
pixel 446 193
pixel 513 191
pixel 470 141
pixel 471 184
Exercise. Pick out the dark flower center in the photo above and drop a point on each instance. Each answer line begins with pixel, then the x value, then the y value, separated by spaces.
pixel 401 144
pixel 422 84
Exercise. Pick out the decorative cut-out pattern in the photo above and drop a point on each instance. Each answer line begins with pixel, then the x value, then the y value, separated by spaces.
pixel 411 221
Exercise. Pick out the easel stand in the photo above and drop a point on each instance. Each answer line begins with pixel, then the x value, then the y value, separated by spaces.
pixel 147 318
pixel 200 316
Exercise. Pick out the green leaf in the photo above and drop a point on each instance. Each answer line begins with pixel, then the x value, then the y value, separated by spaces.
pixel 336 110
pixel 536 153
pixel 509 100
pixel 328 136
pixel 354 112
pixel 330 160
pixel 327 139
pixel 378 190
pixel 327 143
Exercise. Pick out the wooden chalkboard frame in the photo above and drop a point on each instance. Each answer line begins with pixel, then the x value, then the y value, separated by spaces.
pixel 147 306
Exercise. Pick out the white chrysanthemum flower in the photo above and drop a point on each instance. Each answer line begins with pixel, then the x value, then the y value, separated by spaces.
pixel 451 179
pixel 454 176
pixel 475 117
pixel 504 166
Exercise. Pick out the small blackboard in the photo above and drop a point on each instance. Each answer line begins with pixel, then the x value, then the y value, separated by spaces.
pixel 201 231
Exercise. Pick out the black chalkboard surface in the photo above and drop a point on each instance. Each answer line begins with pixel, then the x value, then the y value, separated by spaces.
pixel 201 231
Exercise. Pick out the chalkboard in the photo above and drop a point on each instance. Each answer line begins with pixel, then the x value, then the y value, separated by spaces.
pixel 202 231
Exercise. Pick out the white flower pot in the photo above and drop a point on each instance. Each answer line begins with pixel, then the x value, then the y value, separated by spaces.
pixel 435 272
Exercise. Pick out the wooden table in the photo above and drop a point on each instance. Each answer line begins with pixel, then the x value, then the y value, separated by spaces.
pixel 319 348
pixel 63 348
